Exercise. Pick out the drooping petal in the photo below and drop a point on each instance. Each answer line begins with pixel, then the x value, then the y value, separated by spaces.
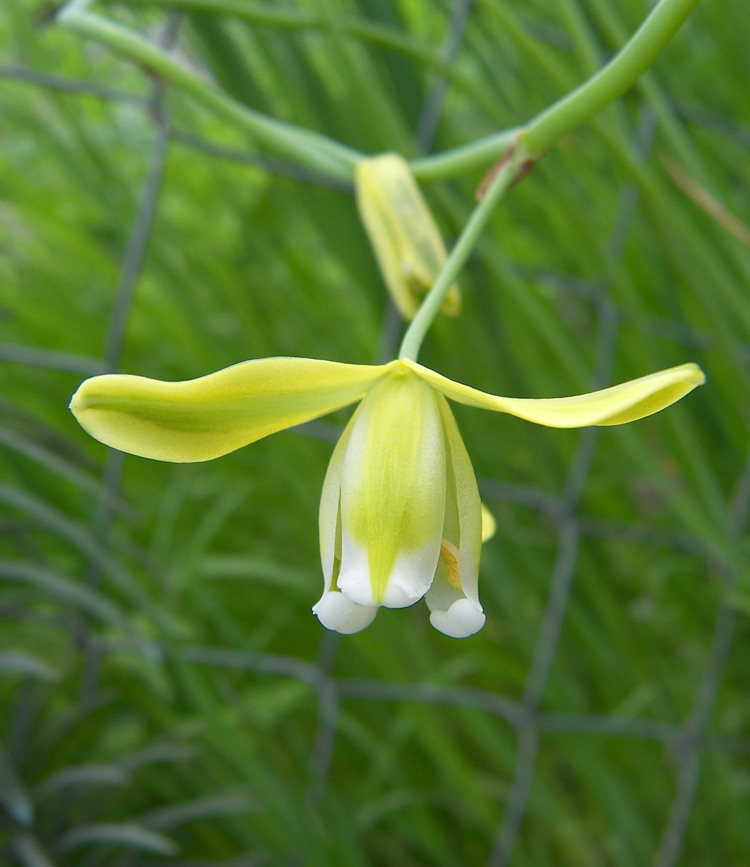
pixel 392 495
pixel 338 613
pixel 201 419
pixel 453 598
pixel 402 231
pixel 333 609
pixel 616 405
pixel 329 515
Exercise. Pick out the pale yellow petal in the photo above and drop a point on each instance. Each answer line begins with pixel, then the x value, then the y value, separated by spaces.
pixel 200 419
pixel 329 514
pixel 616 405
pixel 453 598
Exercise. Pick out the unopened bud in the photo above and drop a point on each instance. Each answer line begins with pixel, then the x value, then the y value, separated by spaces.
pixel 403 233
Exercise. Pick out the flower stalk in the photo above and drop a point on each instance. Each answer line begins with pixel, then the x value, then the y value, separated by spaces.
pixel 338 161
pixel 499 185
pixel 610 82
pixel 309 149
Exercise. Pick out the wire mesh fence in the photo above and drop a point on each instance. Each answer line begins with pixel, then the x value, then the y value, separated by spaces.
pixel 561 514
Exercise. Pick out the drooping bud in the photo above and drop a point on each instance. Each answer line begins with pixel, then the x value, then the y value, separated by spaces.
pixel 403 233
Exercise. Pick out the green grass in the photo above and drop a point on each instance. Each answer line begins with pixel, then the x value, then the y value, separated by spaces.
pixel 166 696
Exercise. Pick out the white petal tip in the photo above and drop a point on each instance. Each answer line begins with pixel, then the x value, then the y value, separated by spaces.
pixel 409 581
pixel 400 594
pixel 355 585
pixel 461 620
pixel 340 614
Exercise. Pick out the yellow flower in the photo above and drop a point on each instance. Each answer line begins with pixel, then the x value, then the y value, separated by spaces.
pixel 400 515
pixel 402 232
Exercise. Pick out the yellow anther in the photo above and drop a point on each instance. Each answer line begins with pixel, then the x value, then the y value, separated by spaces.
pixel 449 555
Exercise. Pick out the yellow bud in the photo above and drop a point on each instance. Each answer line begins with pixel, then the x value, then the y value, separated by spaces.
pixel 489 524
pixel 403 234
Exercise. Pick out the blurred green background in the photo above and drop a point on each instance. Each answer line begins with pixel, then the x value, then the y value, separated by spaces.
pixel 166 696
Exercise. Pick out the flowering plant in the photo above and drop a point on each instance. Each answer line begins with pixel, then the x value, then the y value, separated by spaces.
pixel 400 515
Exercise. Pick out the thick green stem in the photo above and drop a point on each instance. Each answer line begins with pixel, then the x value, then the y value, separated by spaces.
pixel 357 27
pixel 338 161
pixel 575 108
pixel 610 82
pixel 534 139
pixel 500 184
pixel 307 148
pixel 481 152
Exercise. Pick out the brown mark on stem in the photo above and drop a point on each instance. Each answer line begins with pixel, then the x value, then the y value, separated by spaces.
pixel 521 171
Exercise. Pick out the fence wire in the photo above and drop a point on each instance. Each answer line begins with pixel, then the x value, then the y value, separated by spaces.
pixel 688 742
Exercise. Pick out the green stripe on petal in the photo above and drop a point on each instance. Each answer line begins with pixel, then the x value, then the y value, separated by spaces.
pixel 616 405
pixel 392 495
pixel 201 419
